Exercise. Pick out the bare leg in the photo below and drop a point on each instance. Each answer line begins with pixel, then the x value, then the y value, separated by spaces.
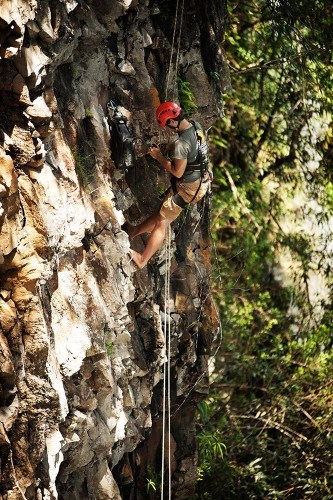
pixel 145 227
pixel 154 243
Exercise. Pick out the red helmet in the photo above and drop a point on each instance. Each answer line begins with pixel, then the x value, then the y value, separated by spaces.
pixel 167 110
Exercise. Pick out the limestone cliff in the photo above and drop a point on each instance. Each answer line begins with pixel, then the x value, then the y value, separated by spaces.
pixel 82 344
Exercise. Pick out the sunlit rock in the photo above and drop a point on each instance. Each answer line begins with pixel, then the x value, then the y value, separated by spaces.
pixel 83 334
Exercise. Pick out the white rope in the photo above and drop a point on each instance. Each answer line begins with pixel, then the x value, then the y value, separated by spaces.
pixel 167 321
pixel 171 53
pixel 164 392
pixel 220 334
pixel 169 354
pixel 163 412
pixel 211 360
pixel 166 417
pixel 178 52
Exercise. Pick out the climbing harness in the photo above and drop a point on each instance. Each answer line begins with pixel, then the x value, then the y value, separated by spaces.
pixel 199 165
pixel 201 159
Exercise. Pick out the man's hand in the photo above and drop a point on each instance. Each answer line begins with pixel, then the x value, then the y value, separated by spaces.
pixel 176 168
pixel 155 153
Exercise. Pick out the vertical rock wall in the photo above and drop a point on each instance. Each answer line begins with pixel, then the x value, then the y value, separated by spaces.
pixel 82 346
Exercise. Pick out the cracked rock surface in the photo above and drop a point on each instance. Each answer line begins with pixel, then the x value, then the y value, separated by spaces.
pixel 82 342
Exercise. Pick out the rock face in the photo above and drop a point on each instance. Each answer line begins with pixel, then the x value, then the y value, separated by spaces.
pixel 82 333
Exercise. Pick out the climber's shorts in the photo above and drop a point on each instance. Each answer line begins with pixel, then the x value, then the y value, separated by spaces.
pixel 170 210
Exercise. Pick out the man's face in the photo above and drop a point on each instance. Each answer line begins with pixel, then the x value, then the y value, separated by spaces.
pixel 173 124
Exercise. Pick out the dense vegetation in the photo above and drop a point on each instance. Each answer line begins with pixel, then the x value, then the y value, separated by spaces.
pixel 266 431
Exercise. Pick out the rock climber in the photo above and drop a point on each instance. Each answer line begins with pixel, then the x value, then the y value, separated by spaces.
pixel 189 181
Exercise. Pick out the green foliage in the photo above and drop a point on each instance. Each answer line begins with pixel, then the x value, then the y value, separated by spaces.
pixel 162 188
pixel 83 167
pixel 272 389
pixel 89 114
pixel 150 485
pixel 210 448
pixel 109 348
pixel 186 97
pixel 214 75
pixel 153 481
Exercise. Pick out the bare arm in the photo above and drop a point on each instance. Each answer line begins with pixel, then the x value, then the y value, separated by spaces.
pixel 176 168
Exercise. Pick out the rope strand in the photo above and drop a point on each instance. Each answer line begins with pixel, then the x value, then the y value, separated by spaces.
pixel 178 52
pixel 166 418
pixel 167 321
pixel 169 358
pixel 220 328
pixel 163 412
pixel 171 53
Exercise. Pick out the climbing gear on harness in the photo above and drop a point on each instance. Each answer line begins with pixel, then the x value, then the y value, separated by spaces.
pixel 201 161
pixel 179 200
pixel 122 138
pixel 166 111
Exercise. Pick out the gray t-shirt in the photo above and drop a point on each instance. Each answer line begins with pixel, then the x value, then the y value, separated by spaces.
pixel 186 144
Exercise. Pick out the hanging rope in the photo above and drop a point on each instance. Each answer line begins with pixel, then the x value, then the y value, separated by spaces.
pixel 220 328
pixel 166 407
pixel 163 414
pixel 178 52
pixel 172 52
pixel 168 311
pixel 166 418
pixel 212 359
